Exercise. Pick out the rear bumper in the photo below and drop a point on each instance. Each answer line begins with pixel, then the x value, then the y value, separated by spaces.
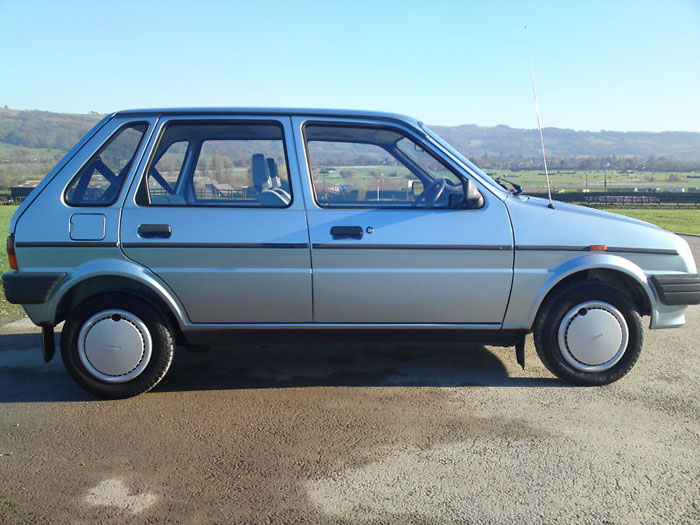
pixel 30 287
pixel 680 289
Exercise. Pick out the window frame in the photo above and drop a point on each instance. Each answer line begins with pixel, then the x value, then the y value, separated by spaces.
pixel 134 164
pixel 143 182
pixel 426 146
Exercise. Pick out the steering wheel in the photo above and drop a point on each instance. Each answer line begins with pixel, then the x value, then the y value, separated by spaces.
pixel 432 193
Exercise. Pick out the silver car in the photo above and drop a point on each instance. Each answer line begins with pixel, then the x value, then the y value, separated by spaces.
pixel 196 227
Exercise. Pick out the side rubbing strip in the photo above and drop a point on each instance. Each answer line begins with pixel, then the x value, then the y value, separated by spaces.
pixel 357 246
pixel 653 251
pixel 551 248
pixel 617 249
pixel 76 244
pixel 215 245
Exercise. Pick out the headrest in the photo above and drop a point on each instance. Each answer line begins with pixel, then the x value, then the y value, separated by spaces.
pixel 274 174
pixel 261 175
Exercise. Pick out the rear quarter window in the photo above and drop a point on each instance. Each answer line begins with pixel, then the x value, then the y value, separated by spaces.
pixel 99 181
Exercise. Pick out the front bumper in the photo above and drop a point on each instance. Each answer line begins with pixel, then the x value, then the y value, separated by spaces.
pixel 679 289
pixel 30 287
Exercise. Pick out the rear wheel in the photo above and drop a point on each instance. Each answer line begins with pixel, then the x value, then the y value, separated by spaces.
pixel 116 345
pixel 588 333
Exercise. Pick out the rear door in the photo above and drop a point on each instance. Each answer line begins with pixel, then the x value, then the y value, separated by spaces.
pixel 389 242
pixel 214 222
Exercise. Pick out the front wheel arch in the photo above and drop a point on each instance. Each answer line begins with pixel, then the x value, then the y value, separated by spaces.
pixel 566 362
pixel 622 281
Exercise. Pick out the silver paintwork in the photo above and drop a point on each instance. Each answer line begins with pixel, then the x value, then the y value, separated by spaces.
pixel 223 284
pixel 87 226
pixel 335 286
pixel 593 336
pixel 114 346
pixel 418 285
pixel 537 272
pixel 48 218
pixel 84 265
pixel 218 112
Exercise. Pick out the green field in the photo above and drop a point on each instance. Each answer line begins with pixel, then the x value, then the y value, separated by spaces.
pixel 532 181
pixel 673 219
pixel 8 312
pixel 596 180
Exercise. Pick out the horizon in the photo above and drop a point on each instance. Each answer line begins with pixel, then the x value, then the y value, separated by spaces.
pixel 623 66
pixel 433 124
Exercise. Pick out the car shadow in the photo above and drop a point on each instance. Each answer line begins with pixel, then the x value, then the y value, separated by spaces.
pixel 24 377
pixel 346 365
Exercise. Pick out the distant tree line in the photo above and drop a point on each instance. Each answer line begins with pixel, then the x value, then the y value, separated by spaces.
pixel 608 162
pixel 31 142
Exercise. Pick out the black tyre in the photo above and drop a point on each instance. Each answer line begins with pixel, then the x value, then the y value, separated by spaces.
pixel 116 345
pixel 588 333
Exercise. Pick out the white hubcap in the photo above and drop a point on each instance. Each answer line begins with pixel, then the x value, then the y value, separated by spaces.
pixel 114 346
pixel 593 336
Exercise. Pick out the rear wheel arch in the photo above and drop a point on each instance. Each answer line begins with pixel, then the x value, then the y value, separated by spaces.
pixel 117 344
pixel 99 285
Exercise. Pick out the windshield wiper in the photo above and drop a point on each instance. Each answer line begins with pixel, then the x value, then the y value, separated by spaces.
pixel 515 190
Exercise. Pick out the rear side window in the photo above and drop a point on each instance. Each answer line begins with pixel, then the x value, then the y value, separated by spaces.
pixel 218 164
pixel 99 181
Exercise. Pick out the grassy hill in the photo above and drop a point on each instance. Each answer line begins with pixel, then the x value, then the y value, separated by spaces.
pixel 505 141
pixel 31 142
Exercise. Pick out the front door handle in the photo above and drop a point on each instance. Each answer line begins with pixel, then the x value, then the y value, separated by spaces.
pixel 159 231
pixel 346 232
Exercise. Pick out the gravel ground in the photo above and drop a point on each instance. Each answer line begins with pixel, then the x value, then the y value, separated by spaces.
pixel 361 433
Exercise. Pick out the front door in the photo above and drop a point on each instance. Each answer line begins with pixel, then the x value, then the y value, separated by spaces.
pixel 218 219
pixel 391 239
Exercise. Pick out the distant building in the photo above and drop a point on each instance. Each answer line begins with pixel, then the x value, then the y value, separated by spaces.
pixel 22 191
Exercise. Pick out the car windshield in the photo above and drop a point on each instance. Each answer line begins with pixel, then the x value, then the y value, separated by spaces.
pixel 461 158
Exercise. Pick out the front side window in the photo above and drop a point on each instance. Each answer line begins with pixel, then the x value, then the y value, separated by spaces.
pixel 355 166
pixel 218 164
pixel 99 181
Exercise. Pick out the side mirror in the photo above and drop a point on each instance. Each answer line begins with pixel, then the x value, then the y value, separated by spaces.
pixel 473 198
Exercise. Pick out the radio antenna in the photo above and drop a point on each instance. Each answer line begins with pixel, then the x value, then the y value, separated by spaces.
pixel 539 124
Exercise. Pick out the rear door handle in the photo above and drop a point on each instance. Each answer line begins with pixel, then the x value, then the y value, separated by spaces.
pixel 160 231
pixel 346 232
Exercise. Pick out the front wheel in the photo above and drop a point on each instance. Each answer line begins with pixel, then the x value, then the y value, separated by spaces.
pixel 115 345
pixel 588 333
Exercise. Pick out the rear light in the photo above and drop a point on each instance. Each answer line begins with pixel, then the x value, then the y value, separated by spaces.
pixel 11 255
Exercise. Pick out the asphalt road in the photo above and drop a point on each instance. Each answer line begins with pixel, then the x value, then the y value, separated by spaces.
pixel 355 433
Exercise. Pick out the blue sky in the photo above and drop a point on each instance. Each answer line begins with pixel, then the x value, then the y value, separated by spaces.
pixel 622 65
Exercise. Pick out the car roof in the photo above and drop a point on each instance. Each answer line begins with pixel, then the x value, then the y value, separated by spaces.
pixel 315 112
